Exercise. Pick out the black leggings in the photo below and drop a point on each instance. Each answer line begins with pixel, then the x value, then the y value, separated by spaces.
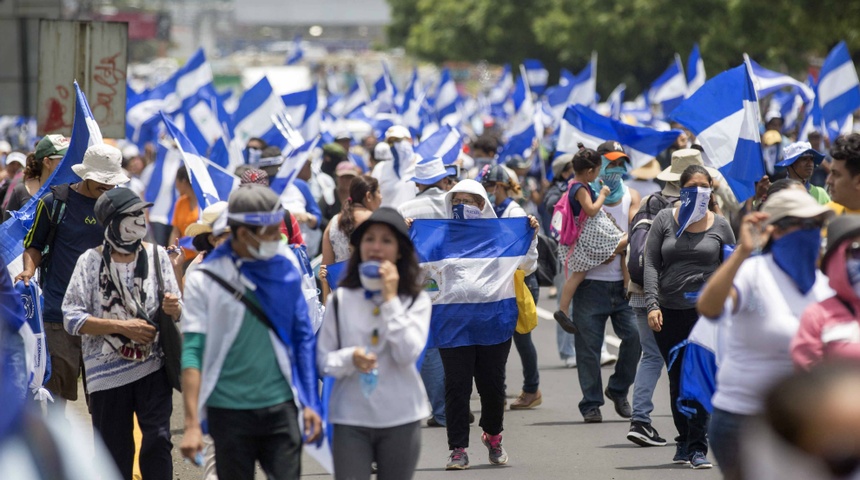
pixel 677 324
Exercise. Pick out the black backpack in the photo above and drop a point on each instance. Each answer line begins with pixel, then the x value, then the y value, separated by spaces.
pixel 638 234
pixel 547 264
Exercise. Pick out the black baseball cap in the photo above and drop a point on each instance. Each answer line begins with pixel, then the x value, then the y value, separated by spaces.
pixel 612 150
pixel 117 201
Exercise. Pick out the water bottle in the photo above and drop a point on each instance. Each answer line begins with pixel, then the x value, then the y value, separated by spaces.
pixel 369 381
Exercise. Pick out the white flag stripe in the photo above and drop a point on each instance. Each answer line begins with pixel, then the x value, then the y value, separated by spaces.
pixel 837 82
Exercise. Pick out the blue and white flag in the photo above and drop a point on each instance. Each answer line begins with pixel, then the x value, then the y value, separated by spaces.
pixel 522 130
pixel 725 117
pixel 351 102
pixel 161 189
pixel 445 144
pixel 304 110
pixel 205 122
pixel 35 343
pixel 142 109
pixel 253 116
pixel 413 109
pixel 582 124
pixel 638 109
pixel 293 164
pixel 85 132
pixel 787 105
pixel 537 75
pixel 384 95
pixel 201 180
pixel 616 101
pixel 767 81
pixel 838 86
pixel 695 71
pixel 297 53
pixel 469 267
pixel 703 351
pixel 446 100
pixel 669 89
pixel 580 89
pixel 500 95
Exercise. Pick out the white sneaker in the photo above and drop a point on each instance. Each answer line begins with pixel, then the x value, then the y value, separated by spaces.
pixel 607 358
pixel 570 362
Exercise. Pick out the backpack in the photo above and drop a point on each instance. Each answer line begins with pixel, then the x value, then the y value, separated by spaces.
pixel 638 234
pixel 547 265
pixel 57 199
pixel 564 226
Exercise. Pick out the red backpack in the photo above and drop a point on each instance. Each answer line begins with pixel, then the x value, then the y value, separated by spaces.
pixel 565 226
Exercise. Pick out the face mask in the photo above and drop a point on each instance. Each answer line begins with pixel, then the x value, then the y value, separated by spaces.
pixel 267 249
pixel 492 197
pixel 368 274
pixel 612 177
pixel 853 265
pixel 132 229
pixel 466 212
pixel 796 254
pixel 694 206
pixel 252 155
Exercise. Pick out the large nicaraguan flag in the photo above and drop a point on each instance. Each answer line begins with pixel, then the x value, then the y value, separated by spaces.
pixel 582 124
pixel 469 267
pixel 724 115
pixel 85 132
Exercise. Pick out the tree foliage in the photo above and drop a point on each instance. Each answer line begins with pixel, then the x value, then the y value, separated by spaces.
pixel 635 39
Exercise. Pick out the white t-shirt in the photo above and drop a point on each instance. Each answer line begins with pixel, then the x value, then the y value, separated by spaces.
pixel 621 213
pixel 395 191
pixel 757 351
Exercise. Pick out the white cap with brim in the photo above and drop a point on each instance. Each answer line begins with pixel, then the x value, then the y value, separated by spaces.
pixel 797 150
pixel 681 159
pixel 429 171
pixel 205 225
pixel 103 164
pixel 16 157
pixel 397 131
pixel 793 202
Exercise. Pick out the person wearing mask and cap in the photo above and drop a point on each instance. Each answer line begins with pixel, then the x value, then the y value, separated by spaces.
pixel 38 169
pixel 502 189
pixel 244 348
pixel 766 295
pixel 433 181
pixel 112 303
pixel 66 217
pixel 15 164
pixel 830 329
pixel 800 162
pixel 394 175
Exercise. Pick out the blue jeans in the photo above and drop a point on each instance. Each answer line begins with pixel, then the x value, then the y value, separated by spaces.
pixel 433 376
pixel 525 346
pixel 650 368
pixel 724 435
pixel 563 339
pixel 595 301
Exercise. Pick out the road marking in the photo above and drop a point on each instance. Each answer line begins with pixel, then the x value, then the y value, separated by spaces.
pixel 544 314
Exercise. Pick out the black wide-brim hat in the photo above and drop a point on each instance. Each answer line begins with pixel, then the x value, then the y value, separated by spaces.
pixel 384 215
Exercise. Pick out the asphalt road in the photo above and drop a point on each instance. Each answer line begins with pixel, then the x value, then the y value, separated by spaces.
pixel 548 442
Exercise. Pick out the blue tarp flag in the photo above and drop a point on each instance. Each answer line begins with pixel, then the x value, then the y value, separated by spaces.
pixel 470 267
pixel 724 116
pixel 85 132
pixel 445 143
pixel 695 71
pixel 582 124
pixel 838 86
pixel 198 171
pixel 537 75
pixel 669 89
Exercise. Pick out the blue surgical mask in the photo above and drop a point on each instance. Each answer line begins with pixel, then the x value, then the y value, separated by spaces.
pixel 465 212
pixel 796 255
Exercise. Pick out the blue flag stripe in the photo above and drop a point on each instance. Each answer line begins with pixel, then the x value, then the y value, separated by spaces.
pixel 437 240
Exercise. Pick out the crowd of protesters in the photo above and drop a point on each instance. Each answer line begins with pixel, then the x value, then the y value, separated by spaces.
pixel 252 357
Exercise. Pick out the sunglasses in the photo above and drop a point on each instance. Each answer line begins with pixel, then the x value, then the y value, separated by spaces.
pixel 804 223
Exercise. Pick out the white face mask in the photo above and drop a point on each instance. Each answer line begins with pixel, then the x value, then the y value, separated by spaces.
pixel 132 229
pixel 267 249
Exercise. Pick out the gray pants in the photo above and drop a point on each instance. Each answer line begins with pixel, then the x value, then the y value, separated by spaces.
pixel 395 451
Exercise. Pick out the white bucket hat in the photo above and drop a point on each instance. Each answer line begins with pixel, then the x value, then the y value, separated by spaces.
pixel 103 164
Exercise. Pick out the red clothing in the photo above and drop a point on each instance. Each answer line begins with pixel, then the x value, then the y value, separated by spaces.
pixel 828 329
pixel 296 238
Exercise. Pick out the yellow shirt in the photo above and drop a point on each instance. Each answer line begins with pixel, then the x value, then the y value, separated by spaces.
pixel 840 210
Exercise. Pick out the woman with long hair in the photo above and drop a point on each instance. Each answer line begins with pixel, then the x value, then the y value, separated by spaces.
pixel 375 328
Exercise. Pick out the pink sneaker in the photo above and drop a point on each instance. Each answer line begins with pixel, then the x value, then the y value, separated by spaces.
pixel 498 456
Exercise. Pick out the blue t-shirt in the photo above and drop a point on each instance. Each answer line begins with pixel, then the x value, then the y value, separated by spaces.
pixel 77 232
